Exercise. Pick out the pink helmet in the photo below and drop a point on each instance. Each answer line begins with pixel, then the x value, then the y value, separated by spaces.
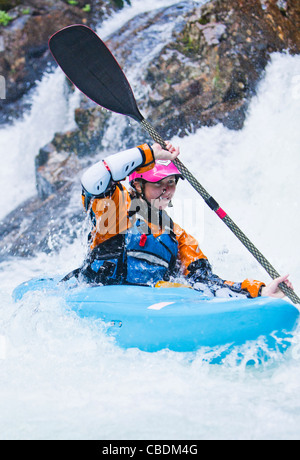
pixel 161 170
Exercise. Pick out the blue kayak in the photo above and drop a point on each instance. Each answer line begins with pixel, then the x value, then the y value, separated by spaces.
pixel 179 319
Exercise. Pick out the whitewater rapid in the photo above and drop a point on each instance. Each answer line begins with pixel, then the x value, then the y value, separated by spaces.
pixel 63 378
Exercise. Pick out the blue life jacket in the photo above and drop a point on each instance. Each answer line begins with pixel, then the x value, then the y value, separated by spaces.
pixel 138 257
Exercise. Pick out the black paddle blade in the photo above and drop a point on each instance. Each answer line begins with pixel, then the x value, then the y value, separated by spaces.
pixel 90 66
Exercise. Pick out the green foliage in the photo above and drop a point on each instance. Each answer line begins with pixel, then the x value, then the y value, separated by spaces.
pixel 4 18
pixel 7 5
pixel 86 8
pixel 120 3
pixel 190 44
pixel 204 20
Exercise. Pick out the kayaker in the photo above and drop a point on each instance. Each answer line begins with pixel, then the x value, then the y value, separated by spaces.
pixel 134 241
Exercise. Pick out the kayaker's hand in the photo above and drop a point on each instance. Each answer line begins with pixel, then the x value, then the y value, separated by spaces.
pixel 170 154
pixel 273 289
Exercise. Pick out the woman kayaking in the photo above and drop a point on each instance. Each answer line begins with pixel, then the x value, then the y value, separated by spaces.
pixel 134 241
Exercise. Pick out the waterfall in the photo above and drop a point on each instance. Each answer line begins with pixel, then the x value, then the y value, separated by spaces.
pixel 51 111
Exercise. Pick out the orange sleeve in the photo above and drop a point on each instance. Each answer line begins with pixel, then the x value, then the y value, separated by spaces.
pixel 189 251
pixel 148 158
pixel 252 286
pixel 110 216
pixel 188 248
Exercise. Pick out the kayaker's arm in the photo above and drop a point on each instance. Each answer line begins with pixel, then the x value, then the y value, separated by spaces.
pixel 98 180
pixel 200 271
pixel 197 268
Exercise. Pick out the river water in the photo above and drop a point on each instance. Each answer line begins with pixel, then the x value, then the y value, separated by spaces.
pixel 63 378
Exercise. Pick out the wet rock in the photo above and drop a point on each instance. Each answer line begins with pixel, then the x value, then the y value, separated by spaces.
pixel 42 225
pixel 210 69
pixel 58 162
pixel 24 53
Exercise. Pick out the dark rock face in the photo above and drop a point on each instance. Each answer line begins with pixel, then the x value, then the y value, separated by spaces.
pixel 189 66
pixel 42 225
pixel 24 53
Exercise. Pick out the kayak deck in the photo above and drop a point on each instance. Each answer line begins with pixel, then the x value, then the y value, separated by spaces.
pixel 179 319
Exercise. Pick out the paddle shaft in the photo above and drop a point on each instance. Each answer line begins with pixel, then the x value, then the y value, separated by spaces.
pixel 211 202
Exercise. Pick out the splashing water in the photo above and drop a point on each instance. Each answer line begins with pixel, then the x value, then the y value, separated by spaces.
pixel 19 143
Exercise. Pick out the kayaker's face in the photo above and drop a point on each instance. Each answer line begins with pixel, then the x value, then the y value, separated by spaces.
pixel 159 194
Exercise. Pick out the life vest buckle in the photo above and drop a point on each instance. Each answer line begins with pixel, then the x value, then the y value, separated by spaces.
pixel 143 240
